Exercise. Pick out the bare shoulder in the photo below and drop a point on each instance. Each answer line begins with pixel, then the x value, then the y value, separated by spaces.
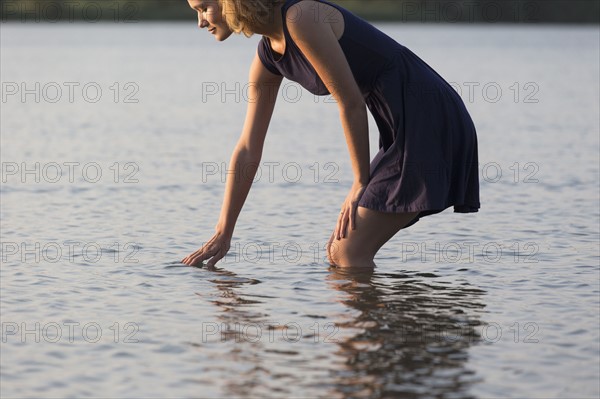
pixel 260 75
pixel 309 18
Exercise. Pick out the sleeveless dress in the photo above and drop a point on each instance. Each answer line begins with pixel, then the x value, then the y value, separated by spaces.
pixel 427 159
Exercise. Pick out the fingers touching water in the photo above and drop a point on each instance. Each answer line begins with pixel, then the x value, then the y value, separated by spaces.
pixel 213 251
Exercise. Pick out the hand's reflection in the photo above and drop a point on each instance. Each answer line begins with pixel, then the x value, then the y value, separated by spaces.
pixel 412 335
pixel 230 340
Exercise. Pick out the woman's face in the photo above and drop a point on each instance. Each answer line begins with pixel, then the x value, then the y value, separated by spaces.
pixel 210 17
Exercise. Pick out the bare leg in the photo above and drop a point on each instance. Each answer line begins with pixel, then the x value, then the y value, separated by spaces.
pixel 373 229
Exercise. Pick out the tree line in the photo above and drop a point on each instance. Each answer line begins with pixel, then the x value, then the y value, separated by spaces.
pixel 430 11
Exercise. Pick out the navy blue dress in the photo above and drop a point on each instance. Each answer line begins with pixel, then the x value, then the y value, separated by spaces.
pixel 427 160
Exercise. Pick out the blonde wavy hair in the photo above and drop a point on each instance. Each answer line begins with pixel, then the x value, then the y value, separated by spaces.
pixel 244 16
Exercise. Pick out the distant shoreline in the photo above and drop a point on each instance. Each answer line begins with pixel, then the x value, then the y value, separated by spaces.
pixel 425 11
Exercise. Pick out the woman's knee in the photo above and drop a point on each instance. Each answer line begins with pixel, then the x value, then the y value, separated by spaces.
pixel 374 229
pixel 343 253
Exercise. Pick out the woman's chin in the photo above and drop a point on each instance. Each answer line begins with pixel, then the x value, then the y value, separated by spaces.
pixel 221 37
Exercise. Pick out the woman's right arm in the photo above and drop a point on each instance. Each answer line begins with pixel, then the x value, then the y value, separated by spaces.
pixel 262 93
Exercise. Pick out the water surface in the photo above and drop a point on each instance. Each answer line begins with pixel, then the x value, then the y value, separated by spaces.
pixel 103 193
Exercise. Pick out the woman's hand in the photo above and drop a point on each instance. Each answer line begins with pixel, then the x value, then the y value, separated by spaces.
pixel 348 212
pixel 215 249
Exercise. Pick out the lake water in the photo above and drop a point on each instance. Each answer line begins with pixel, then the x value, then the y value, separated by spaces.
pixel 115 144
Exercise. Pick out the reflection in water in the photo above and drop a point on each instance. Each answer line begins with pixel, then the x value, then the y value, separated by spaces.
pixel 240 351
pixel 397 336
pixel 413 337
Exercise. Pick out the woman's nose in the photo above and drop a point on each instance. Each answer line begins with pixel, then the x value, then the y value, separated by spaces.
pixel 202 22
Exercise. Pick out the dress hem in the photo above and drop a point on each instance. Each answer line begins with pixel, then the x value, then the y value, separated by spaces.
pixel 423 211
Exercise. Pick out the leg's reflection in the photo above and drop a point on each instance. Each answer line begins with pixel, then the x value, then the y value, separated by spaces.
pixel 412 335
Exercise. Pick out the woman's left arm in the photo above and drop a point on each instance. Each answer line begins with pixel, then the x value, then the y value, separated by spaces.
pixel 317 40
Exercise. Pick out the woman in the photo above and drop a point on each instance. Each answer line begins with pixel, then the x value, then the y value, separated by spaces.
pixel 427 160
